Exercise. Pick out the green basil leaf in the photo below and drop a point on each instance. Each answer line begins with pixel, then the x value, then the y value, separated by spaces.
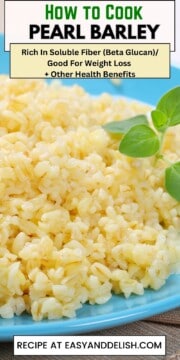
pixel 172 180
pixel 169 104
pixel 160 120
pixel 140 141
pixel 122 127
pixel 175 117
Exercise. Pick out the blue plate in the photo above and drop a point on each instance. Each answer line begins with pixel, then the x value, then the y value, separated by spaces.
pixel 118 310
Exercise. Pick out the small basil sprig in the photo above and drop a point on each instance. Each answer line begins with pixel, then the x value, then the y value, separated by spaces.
pixel 172 180
pixel 122 127
pixel 141 139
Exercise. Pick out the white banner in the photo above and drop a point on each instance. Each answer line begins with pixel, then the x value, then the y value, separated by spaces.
pixel 89 22
pixel 89 345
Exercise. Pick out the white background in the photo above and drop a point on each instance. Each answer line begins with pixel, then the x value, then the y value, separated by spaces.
pixel 61 345
pixel 174 56
pixel 20 14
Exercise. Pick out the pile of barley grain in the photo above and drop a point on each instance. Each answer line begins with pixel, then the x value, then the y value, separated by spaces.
pixel 78 220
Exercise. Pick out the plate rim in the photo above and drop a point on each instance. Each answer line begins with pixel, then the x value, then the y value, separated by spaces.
pixel 96 322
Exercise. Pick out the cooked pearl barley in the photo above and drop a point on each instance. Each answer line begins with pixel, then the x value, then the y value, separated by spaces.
pixel 78 220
